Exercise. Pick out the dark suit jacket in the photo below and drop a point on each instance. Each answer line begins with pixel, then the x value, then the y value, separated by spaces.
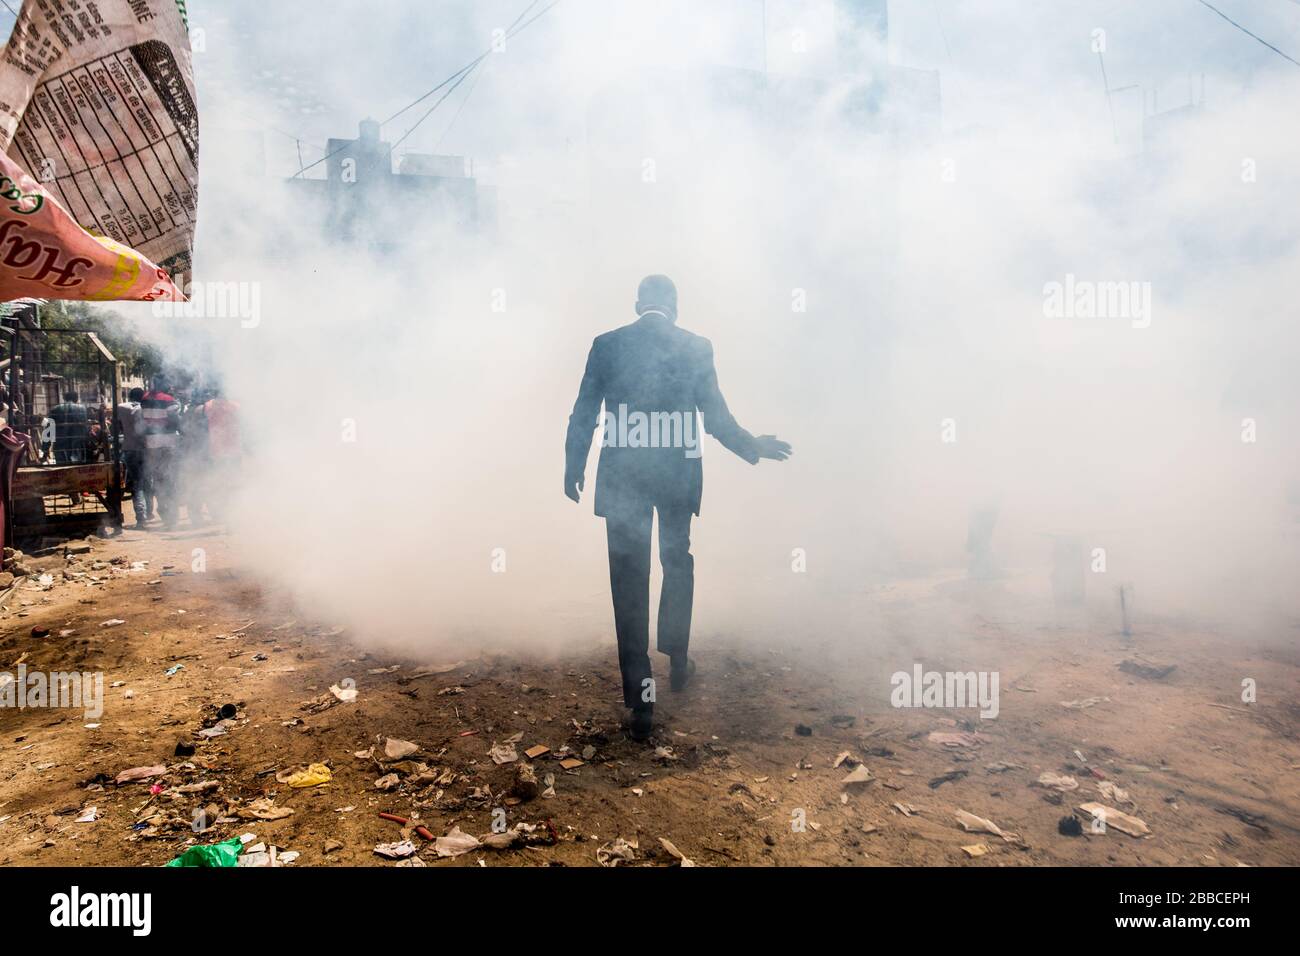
pixel 651 376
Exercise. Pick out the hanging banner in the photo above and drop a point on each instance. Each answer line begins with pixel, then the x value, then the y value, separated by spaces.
pixel 44 253
pixel 97 110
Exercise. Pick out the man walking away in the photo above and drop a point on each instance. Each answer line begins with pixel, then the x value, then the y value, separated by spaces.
pixel 652 378
pixel 130 426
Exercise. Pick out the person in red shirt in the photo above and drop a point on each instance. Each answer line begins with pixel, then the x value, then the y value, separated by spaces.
pixel 225 451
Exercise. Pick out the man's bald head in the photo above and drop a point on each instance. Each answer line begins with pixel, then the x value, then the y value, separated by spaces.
pixel 657 294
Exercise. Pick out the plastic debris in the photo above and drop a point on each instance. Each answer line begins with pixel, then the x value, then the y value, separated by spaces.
pixel 225 853
pixel 345 694
pixel 395 851
pixel 140 773
pixel 455 843
pixel 681 857
pixel 973 824
pixel 1113 793
pixel 395 749
pixel 312 776
pixel 619 851
pixel 264 808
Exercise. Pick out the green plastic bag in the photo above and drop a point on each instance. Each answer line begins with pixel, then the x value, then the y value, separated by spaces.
pixel 225 853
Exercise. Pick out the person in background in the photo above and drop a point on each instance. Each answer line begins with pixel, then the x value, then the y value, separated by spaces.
pixel 130 425
pixel 193 461
pixel 160 415
pixel 71 429
pixel 225 452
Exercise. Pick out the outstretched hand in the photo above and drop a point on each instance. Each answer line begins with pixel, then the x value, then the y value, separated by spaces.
pixel 769 446
pixel 573 486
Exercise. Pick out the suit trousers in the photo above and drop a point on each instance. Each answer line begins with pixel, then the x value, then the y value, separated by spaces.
pixel 628 531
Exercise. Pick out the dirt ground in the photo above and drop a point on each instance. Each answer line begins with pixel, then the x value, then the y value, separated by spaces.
pixel 736 764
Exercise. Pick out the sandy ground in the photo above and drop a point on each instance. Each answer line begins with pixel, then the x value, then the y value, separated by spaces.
pixel 728 779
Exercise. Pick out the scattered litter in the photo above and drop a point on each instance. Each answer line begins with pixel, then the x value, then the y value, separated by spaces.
pixel 532 753
pixel 140 773
pixel 949 777
pixel 387 782
pixel 89 815
pixel 571 763
pixel 311 776
pixel 973 824
pixel 1085 703
pixel 1069 826
pixel 431 669
pixel 906 809
pixel 1056 781
pixel 1001 767
pixel 1115 818
pixel 395 851
pixel 619 851
pixel 859 776
pixel 503 753
pixel 681 857
pixel 803 730
pixel 345 694
pixel 225 853
pixel 395 749
pixel 174 670
pixel 525 786
pixel 978 849
pixel 1114 793
pixel 112 622
pixel 455 843
pixel 264 808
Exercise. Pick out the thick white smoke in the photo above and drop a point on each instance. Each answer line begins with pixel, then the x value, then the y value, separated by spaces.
pixel 871 289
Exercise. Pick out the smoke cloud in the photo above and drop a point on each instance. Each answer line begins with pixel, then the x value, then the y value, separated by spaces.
pixel 957 287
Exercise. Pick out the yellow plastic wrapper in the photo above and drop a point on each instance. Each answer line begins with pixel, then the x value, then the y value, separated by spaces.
pixel 313 776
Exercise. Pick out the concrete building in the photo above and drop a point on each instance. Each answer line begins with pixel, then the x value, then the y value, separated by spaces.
pixel 361 198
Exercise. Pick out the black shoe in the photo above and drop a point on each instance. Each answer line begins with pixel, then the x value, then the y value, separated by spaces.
pixel 641 724
pixel 683 669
